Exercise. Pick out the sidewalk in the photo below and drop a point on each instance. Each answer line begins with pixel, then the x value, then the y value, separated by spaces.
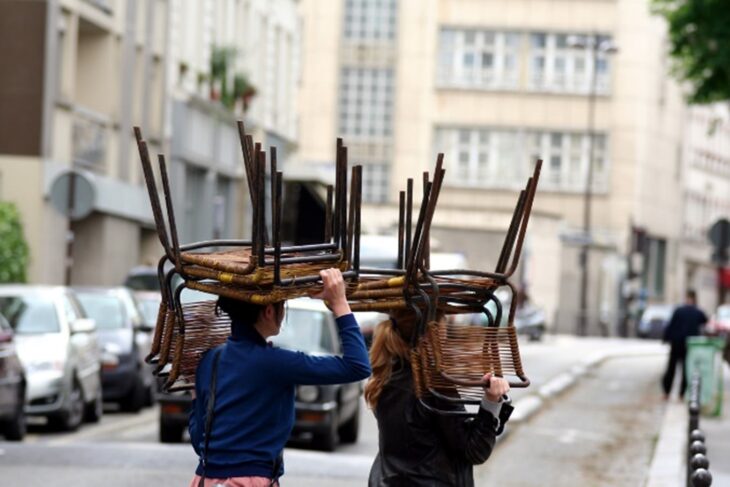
pixel 668 467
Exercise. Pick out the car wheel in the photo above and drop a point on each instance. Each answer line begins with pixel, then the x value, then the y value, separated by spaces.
pixel 136 397
pixel 171 433
pixel 94 410
pixel 350 430
pixel 327 441
pixel 149 395
pixel 71 419
pixel 14 429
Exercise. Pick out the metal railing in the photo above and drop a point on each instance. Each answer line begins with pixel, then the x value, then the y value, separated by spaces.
pixel 698 466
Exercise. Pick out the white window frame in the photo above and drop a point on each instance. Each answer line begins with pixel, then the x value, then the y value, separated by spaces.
pixel 462 147
pixel 375 182
pixel 366 102
pixel 454 46
pixel 369 21
pixel 570 81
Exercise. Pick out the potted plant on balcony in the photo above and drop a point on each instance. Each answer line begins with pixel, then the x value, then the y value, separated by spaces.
pixel 220 60
pixel 243 90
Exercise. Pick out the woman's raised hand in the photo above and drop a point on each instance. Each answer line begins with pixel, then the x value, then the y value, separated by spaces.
pixel 497 387
pixel 333 292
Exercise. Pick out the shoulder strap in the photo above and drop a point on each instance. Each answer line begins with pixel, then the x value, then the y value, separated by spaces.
pixel 277 467
pixel 209 413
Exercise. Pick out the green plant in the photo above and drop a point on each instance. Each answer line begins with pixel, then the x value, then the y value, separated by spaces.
pixel 699 33
pixel 221 59
pixel 13 247
pixel 242 86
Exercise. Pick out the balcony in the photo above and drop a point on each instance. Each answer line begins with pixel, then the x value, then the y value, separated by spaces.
pixel 103 5
pixel 90 140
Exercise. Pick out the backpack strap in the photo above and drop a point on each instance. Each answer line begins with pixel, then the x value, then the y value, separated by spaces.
pixel 209 413
pixel 277 466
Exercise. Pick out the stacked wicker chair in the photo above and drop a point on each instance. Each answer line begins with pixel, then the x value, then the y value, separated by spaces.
pixel 448 360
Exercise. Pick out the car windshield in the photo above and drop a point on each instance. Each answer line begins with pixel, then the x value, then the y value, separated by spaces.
pixel 106 310
pixel 143 282
pixel 306 331
pixel 30 314
pixel 149 307
pixel 723 313
pixel 657 313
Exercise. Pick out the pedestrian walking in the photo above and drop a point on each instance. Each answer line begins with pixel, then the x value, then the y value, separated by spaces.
pixel 686 321
pixel 416 446
pixel 243 409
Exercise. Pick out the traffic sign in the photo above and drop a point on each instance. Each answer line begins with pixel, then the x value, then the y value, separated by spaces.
pixel 84 194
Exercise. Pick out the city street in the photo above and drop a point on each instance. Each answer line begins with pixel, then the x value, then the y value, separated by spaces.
pixel 613 412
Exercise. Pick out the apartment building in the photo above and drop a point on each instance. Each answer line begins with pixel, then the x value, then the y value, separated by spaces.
pixel 705 197
pixel 84 72
pixel 495 85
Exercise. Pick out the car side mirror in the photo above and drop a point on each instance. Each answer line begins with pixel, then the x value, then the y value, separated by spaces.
pixel 144 327
pixel 83 325
pixel 6 336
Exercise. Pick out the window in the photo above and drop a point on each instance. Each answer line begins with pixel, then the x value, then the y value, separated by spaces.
pixel 375 183
pixel 366 100
pixel 655 258
pixel 501 158
pixel 30 314
pixel 478 59
pixel 371 20
pixel 556 65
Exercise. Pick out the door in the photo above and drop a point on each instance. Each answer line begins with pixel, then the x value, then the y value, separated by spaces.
pixel 11 373
pixel 85 350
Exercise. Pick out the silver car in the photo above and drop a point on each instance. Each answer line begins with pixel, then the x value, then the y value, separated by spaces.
pixel 124 338
pixel 58 348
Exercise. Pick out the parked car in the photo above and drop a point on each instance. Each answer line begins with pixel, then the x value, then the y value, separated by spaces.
pixel 720 321
pixel 529 318
pixel 125 339
pixel 148 303
pixel 175 406
pixel 142 278
pixel 57 345
pixel 654 320
pixel 368 320
pixel 12 386
pixel 325 414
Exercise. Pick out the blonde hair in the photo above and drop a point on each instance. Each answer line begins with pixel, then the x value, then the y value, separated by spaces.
pixel 388 345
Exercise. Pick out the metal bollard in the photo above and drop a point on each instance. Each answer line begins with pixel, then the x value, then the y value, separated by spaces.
pixel 696 435
pixel 699 461
pixel 697 447
pixel 701 478
pixel 698 474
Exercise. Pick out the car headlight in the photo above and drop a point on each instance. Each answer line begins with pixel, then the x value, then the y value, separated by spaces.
pixel 308 393
pixel 44 366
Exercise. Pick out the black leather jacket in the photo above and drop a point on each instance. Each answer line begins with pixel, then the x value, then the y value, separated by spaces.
pixel 420 448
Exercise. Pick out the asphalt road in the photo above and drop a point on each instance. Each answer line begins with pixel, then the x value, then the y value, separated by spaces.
pixel 123 449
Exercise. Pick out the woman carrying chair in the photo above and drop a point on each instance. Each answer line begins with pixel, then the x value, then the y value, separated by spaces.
pixel 243 410
pixel 418 447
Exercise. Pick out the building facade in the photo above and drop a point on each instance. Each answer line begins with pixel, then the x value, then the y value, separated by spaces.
pixel 495 85
pixel 86 71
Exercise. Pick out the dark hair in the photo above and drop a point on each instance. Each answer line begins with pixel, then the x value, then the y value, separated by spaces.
pixel 692 295
pixel 240 311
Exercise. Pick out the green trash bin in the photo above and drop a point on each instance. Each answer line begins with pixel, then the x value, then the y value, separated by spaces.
pixel 704 354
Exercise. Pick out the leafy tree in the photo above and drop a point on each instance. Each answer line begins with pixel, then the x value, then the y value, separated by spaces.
pixel 699 33
pixel 13 248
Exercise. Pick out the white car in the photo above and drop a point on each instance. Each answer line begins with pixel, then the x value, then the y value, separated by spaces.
pixel 58 349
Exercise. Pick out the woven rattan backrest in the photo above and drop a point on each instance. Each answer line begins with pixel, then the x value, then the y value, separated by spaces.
pixel 452 356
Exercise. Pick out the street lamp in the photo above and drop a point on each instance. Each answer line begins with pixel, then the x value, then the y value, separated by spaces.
pixel 597 46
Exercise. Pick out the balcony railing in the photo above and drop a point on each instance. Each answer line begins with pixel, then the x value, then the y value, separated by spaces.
pixel 89 139
pixel 105 5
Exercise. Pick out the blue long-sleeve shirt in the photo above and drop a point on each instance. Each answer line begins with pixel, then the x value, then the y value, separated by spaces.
pixel 254 405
